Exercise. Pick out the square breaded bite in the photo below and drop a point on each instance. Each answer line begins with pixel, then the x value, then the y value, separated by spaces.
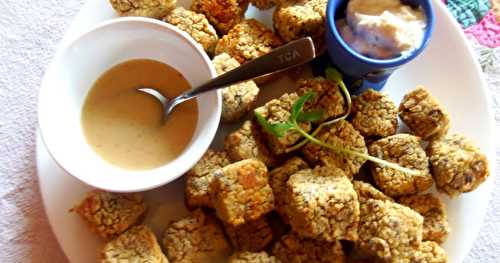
pixel 147 8
pixel 457 164
pixel 237 99
pixel 251 236
pixel 252 257
pixel 292 248
pixel 248 40
pixel 424 114
pixel 264 4
pixel 137 244
pixel 340 134
pixel 278 111
pixel 241 192
pixel 322 204
pixel 110 214
pixel 434 212
pixel 389 231
pixel 430 252
pixel 196 25
pixel 278 179
pixel 374 114
pixel 366 191
pixel 329 100
pixel 196 238
pixel 199 178
pixel 405 150
pixel 222 14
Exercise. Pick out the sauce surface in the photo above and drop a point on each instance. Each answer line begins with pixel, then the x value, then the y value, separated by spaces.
pixel 124 127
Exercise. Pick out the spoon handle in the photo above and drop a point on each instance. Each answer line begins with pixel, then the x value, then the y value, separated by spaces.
pixel 290 55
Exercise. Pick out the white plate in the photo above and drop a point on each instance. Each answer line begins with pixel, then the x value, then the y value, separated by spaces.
pixel 447 68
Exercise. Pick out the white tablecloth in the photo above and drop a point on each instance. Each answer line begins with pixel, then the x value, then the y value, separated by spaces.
pixel 29 32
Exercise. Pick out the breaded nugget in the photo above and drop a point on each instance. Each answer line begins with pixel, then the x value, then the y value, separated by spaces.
pixel 292 248
pixel 389 231
pixel 196 238
pixel 222 14
pixel 248 142
pixel 138 244
pixel 248 40
pixel 423 114
pixel 322 204
pixel 109 214
pixel 405 150
pixel 264 4
pixel 374 114
pixel 434 212
pixel 251 236
pixel 328 99
pixel 457 165
pixel 366 191
pixel 278 179
pixel 241 192
pixel 252 257
pixel 339 134
pixel 196 25
pixel 237 99
pixel 147 8
pixel 430 252
pixel 199 178
pixel 278 111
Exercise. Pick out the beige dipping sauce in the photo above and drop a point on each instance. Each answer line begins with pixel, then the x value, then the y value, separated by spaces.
pixel 124 127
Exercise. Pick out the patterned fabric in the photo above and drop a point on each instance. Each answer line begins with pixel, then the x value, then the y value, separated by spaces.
pixel 468 12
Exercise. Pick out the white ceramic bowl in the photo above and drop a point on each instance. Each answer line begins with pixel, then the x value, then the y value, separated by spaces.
pixel 82 61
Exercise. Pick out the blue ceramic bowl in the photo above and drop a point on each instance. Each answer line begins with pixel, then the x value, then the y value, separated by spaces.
pixel 355 66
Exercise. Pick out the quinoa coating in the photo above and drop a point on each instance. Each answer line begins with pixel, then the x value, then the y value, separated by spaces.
pixel 241 192
pixel 237 99
pixel 147 8
pixel 248 40
pixel 278 179
pixel 423 114
pixel 405 150
pixel 252 257
pixel 109 214
pixel 292 248
pixel 196 238
pixel 196 25
pixel 278 111
pixel 434 212
pixel 457 165
pixel 366 191
pixel 322 204
pixel 200 177
pixel 264 4
pixel 430 252
pixel 222 14
pixel 251 236
pixel 328 99
pixel 374 114
pixel 138 244
pixel 389 231
pixel 339 134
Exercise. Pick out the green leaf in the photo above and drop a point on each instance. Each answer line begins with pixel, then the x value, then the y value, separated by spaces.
pixel 333 75
pixel 311 116
pixel 299 105
pixel 277 129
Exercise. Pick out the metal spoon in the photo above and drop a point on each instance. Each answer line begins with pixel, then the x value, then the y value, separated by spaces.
pixel 290 55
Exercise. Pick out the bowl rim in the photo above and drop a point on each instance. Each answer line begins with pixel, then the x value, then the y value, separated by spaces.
pixel 198 50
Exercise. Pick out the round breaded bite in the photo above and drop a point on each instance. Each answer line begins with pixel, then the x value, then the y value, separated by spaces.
pixel 292 248
pixel 110 214
pixel 340 134
pixel 328 98
pixel 222 14
pixel 374 114
pixel 367 191
pixel 237 99
pixel 322 204
pixel 457 165
pixel 264 4
pixel 430 252
pixel 138 244
pixel 434 212
pixel 248 40
pixel 196 25
pixel 405 150
pixel 389 231
pixel 252 257
pixel 196 238
pixel 147 8
pixel 424 114
pixel 251 236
